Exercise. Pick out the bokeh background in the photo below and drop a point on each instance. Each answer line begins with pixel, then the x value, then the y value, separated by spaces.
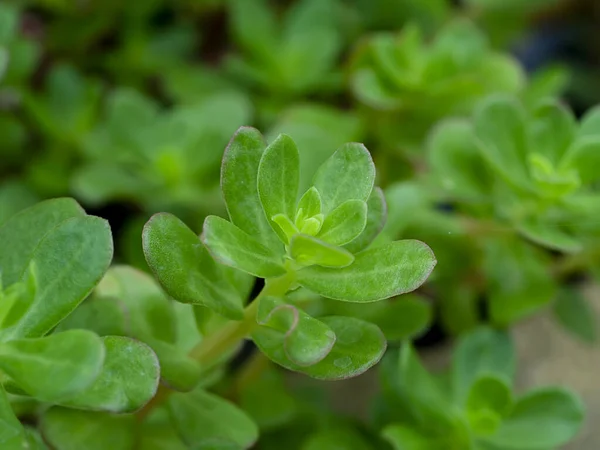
pixel 127 106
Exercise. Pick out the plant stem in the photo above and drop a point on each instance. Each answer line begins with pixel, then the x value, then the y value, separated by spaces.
pixel 225 339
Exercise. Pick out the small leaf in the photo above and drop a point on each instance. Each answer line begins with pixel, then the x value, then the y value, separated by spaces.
pixel 549 235
pixel 308 250
pixel 376 217
pixel 584 156
pixel 239 184
pixel 488 401
pixel 348 174
pixel 558 412
pixel 55 367
pixel 287 228
pixel 12 433
pixel 403 437
pixel 235 248
pixel 481 351
pixel 102 315
pixel 552 129
pixel 305 340
pixel 575 314
pixel 278 178
pixel 359 346
pixel 344 223
pixel 69 261
pixel 500 130
pixel 69 429
pixel 377 273
pixel 21 234
pixel 204 420
pixel 308 206
pixel 157 433
pixel 185 269
pixel 341 437
pixel 128 380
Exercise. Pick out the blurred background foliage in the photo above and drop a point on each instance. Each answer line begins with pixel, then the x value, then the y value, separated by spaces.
pixel 128 106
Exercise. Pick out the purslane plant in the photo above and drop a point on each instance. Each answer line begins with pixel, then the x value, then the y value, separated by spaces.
pixel 473 405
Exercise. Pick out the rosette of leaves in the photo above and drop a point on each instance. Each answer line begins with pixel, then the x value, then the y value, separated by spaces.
pixel 421 81
pixel 318 241
pixel 159 159
pixel 287 56
pixel 53 255
pixel 474 404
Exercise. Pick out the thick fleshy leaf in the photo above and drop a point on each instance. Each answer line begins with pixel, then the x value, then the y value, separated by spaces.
pixel 551 130
pixel 56 367
pixel 549 235
pixel 103 315
pixel 305 340
pixel 149 312
pixel 500 130
pixel 69 429
pixel 377 273
pixel 584 157
pixel 278 178
pixel 348 174
pixel 341 437
pixel 344 223
pixel 376 217
pixel 479 352
pixel 204 420
pixel 69 262
pixel 488 401
pixel 267 401
pixel 235 248
pixel 555 411
pixel 177 370
pixel 456 162
pixel 12 433
pixel 21 234
pixel 308 206
pixel 157 433
pixel 127 381
pixel 519 283
pixel 308 250
pixel 185 269
pixel 575 315
pixel 239 184
pixel 359 346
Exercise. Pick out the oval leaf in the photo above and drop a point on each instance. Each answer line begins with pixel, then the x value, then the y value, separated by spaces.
pixel 55 367
pixel 235 248
pixel 344 223
pixel 376 217
pixel 307 250
pixel 185 269
pixel 393 269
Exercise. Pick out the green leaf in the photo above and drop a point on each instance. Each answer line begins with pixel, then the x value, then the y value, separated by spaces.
pixel 575 314
pixel 308 206
pixel 551 130
pixel 341 437
pixel 12 433
pixel 22 233
pixel 128 380
pixel 70 261
pixel 488 401
pixel 583 155
pixel 545 418
pixel 349 174
pixel 344 223
pixel 305 340
pixel 359 346
pixel 549 235
pixel 278 178
pixel 157 433
pixel 519 283
pixel 396 268
pixel 500 130
pixel 482 351
pixel 235 248
pixel 185 269
pixel 456 162
pixel 376 217
pixel 307 250
pixel 267 401
pixel 69 429
pixel 102 315
pixel 204 420
pixel 56 367
pixel 239 184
